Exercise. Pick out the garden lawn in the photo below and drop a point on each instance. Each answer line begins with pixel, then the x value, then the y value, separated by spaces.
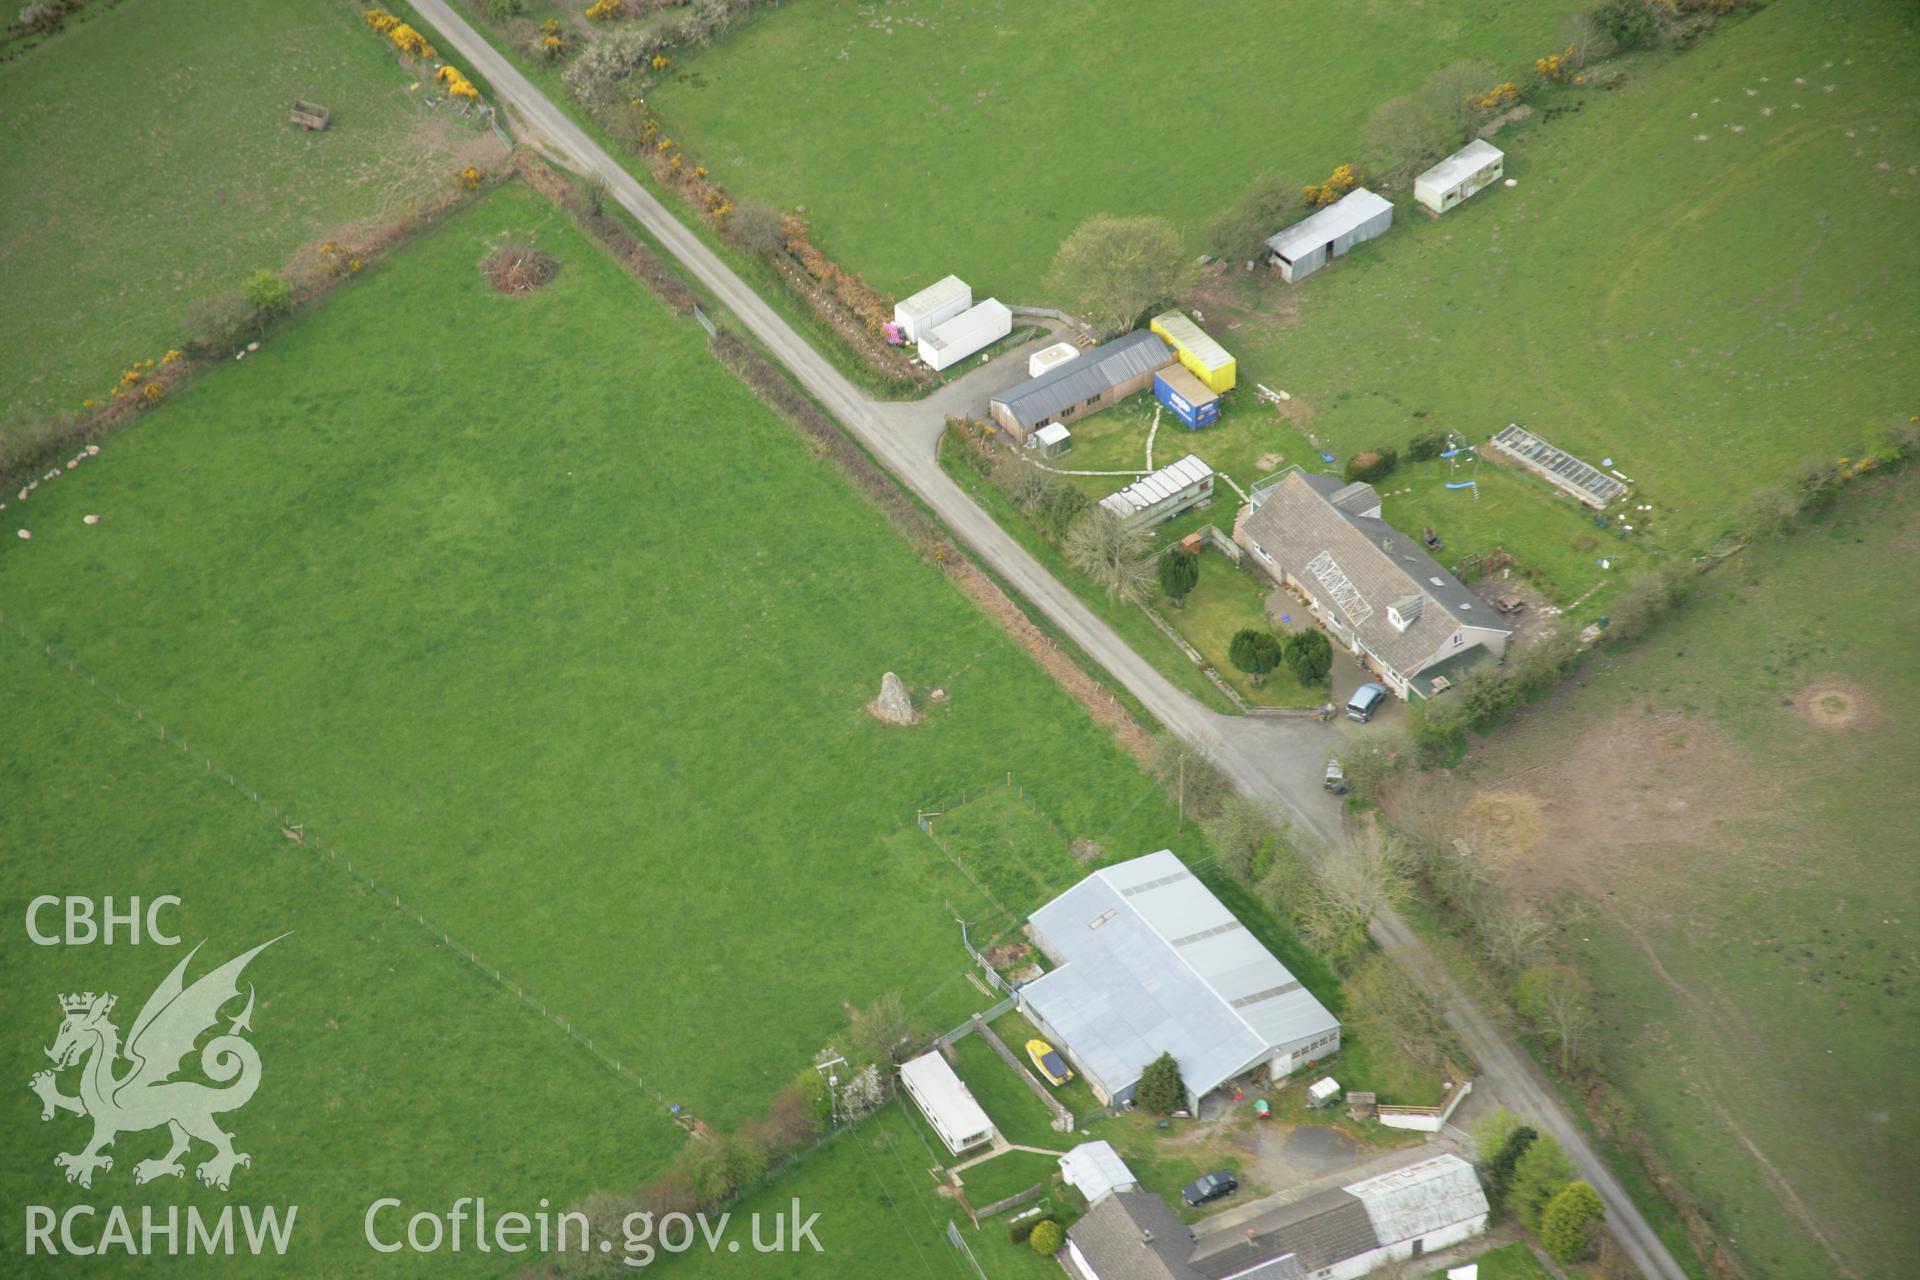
pixel 1227 600
pixel 1008 1173
pixel 149 162
pixel 529 609
pixel 941 135
pixel 1509 1262
pixel 390 1066
pixel 1704 275
pixel 1721 822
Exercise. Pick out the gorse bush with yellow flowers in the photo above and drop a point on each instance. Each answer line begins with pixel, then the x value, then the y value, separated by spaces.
pixel 404 37
pixel 1343 179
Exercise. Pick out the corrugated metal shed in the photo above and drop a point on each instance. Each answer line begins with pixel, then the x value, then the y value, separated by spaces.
pixel 1421 1198
pixel 1311 243
pixel 1089 375
pixel 1198 351
pixel 1164 493
pixel 941 300
pixel 1150 962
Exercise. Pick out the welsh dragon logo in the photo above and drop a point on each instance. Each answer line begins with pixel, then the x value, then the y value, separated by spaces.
pixel 145 1095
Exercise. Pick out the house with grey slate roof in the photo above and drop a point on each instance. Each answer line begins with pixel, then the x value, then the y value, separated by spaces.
pixel 1375 589
pixel 1085 384
pixel 1408 1212
pixel 1147 961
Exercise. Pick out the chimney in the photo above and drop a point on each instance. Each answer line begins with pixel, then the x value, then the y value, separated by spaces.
pixel 1146 1235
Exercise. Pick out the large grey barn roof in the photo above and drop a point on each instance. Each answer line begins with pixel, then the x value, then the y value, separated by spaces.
pixel 1154 963
pixel 1306 517
pixel 1085 376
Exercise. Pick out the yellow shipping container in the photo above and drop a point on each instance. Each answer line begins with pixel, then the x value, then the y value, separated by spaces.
pixel 1207 359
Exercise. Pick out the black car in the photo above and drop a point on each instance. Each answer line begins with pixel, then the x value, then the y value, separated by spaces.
pixel 1209 1187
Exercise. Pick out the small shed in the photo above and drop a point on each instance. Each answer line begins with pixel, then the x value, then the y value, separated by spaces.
pixel 1204 357
pixel 943 1098
pixel 955 339
pixel 1053 440
pixel 1095 1168
pixel 1314 241
pixel 1192 401
pixel 1041 361
pixel 1163 494
pixel 1322 1091
pixel 932 306
pixel 1473 167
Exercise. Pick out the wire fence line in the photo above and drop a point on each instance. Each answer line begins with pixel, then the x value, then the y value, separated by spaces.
pixel 298 833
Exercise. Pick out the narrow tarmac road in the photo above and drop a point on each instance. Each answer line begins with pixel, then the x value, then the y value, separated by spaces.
pixel 1278 760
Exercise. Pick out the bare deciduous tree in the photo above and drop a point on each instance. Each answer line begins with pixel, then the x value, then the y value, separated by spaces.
pixel 1354 881
pixel 1388 1004
pixel 1103 547
pixel 1240 829
pixel 1512 932
pixel 1559 1000
pixel 1404 135
pixel 1187 774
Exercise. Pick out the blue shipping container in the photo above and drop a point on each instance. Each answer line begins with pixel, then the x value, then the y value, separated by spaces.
pixel 1195 416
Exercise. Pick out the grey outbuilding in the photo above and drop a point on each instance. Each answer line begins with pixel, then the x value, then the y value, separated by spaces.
pixel 1314 241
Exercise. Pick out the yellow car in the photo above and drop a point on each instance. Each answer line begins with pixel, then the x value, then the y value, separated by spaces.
pixel 1049 1063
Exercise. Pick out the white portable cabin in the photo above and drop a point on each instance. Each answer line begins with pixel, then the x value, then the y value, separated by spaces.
pixel 1313 242
pixel 1322 1091
pixel 933 305
pixel 1473 167
pixel 1041 361
pixel 944 1100
pixel 1164 494
pixel 956 339
pixel 1052 440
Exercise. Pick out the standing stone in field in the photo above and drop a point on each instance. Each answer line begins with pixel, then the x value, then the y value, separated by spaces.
pixel 893 705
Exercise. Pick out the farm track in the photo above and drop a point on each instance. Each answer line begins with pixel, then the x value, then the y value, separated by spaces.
pixel 1270 758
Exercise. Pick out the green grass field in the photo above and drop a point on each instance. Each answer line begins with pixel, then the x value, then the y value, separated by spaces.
pixel 538 617
pixel 939 135
pixel 150 161
pixel 1721 823
pixel 390 1066
pixel 1705 275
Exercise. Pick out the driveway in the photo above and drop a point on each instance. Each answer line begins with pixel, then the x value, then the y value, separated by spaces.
pixel 1276 759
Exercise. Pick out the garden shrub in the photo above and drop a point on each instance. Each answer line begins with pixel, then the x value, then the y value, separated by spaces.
pixel 1426 446
pixel 1566 1228
pixel 1047 1238
pixel 1375 464
pixel 1179 573
pixel 1309 656
pixel 1020 1232
pixel 1254 652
